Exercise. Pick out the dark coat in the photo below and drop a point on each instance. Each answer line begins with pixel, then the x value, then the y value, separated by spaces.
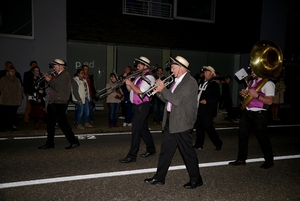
pixel 212 96
pixel 184 105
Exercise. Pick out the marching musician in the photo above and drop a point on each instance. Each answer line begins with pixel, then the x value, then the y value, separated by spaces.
pixel 60 89
pixel 255 118
pixel 208 98
pixel 140 111
pixel 179 117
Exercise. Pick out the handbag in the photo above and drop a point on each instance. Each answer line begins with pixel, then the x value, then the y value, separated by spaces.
pixel 37 111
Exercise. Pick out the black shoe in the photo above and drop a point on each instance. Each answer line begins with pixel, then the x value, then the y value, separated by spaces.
pixel 192 185
pixel 267 165
pixel 196 147
pixel 72 146
pixel 218 148
pixel 127 160
pixel 237 162
pixel 46 146
pixel 154 181
pixel 145 155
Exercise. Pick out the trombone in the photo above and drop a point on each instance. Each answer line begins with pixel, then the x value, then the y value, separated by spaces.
pixel 106 91
pixel 150 92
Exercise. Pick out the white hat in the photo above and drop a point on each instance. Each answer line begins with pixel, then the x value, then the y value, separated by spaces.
pixel 59 62
pixel 143 60
pixel 209 68
pixel 180 61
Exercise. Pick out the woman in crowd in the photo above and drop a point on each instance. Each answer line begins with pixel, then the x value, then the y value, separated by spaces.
pixel 10 98
pixel 113 100
pixel 81 98
pixel 37 98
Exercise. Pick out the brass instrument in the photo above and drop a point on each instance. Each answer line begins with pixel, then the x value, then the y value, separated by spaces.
pixel 150 92
pixel 42 78
pixel 103 93
pixel 266 62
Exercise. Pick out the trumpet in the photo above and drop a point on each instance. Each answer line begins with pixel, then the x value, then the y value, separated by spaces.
pixel 150 92
pixel 108 90
pixel 42 78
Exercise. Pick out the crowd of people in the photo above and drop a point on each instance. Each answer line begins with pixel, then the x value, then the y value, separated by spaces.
pixel 190 102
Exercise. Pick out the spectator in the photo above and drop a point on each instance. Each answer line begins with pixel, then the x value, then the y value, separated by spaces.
pixel 157 104
pixel 10 98
pixel 37 98
pixel 127 107
pixel 27 85
pixel 91 84
pixel 81 97
pixel 278 98
pixel 226 97
pixel 113 101
pixel 199 76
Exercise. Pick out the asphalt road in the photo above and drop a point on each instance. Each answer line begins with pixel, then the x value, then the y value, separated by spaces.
pixel 93 172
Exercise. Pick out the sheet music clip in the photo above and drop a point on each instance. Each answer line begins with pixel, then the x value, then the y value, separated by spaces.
pixel 241 74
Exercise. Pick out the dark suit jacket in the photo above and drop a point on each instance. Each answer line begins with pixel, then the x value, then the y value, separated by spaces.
pixel 212 96
pixel 184 105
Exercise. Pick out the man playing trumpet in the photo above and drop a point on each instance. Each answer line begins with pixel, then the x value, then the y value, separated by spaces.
pixel 180 114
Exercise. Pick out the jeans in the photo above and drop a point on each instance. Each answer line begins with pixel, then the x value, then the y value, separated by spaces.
pixel 82 108
pixel 113 113
pixel 91 108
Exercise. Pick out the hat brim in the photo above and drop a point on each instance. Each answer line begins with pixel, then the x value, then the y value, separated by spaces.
pixel 205 69
pixel 142 61
pixel 56 63
pixel 179 63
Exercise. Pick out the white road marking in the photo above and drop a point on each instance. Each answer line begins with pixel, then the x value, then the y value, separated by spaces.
pixel 128 133
pixel 122 173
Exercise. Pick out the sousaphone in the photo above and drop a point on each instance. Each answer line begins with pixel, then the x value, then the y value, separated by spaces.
pixel 266 62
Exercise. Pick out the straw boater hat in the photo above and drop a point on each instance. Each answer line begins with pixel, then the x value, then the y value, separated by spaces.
pixel 143 60
pixel 180 61
pixel 59 62
pixel 209 68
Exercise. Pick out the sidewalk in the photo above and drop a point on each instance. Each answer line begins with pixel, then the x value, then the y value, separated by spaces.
pixel 101 126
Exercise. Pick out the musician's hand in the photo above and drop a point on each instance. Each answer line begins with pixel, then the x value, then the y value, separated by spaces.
pixel 203 101
pixel 253 93
pixel 128 82
pixel 41 91
pixel 244 92
pixel 48 78
pixel 160 85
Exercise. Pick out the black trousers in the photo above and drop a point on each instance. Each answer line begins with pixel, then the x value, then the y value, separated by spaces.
pixel 256 122
pixel 140 130
pixel 205 124
pixel 57 113
pixel 184 142
pixel 8 116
